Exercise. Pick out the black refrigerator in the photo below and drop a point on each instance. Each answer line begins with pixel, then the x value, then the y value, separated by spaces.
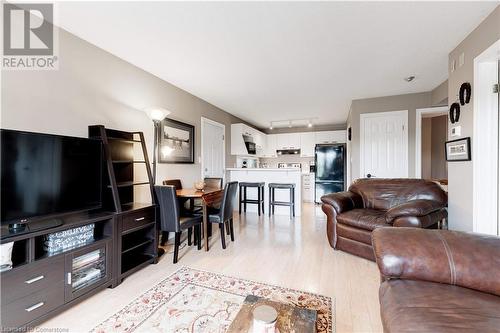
pixel 330 169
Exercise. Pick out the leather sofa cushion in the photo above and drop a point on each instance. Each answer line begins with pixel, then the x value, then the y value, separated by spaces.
pixel 368 219
pixel 357 234
pixel 383 194
pixel 442 256
pixel 419 306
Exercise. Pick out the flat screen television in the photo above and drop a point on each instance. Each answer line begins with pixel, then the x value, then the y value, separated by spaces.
pixel 45 174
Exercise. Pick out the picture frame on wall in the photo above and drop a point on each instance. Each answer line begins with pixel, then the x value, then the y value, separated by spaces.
pixel 175 142
pixel 458 150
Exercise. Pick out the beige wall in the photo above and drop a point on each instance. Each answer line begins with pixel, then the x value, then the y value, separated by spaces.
pixel 460 199
pixel 426 148
pixel 439 96
pixel 95 87
pixel 409 102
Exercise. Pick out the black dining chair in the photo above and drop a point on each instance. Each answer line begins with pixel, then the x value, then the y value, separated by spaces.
pixel 224 214
pixel 171 219
pixel 212 182
pixel 178 186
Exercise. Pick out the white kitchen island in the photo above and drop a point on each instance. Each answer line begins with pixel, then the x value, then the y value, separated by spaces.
pixel 268 175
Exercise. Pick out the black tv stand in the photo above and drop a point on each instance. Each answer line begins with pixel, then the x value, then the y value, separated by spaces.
pixel 41 277
pixel 29 227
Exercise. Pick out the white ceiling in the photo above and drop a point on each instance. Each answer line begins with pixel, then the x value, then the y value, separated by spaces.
pixel 264 61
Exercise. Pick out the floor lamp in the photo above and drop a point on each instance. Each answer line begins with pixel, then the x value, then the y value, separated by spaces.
pixel 156 115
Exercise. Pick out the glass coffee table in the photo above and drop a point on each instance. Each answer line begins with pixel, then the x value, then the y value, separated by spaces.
pixel 290 318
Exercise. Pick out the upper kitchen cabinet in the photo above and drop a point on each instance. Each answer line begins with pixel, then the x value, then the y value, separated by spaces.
pixel 246 140
pixel 287 141
pixel 270 146
pixel 330 137
pixel 307 143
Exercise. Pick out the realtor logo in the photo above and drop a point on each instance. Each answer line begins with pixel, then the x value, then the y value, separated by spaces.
pixel 28 36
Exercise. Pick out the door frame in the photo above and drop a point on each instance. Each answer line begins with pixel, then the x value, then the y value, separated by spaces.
pixel 486 209
pixel 215 123
pixel 362 117
pixel 437 110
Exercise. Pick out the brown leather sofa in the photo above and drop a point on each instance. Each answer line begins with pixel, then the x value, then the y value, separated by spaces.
pixel 438 280
pixel 379 203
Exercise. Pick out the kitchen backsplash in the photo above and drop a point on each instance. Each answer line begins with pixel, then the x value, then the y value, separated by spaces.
pixel 273 162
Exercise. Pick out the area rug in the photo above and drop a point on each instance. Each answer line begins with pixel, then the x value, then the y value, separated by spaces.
pixel 192 300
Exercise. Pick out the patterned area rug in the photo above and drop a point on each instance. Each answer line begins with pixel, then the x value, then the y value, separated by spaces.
pixel 192 300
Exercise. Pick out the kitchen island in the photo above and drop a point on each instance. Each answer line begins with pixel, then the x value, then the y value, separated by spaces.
pixel 270 175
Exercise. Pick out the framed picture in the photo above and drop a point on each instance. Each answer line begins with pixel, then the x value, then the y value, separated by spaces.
pixel 175 142
pixel 458 150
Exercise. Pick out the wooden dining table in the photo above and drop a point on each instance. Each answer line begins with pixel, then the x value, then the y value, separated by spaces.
pixel 210 197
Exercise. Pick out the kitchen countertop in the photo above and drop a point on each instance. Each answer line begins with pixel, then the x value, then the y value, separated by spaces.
pixel 264 169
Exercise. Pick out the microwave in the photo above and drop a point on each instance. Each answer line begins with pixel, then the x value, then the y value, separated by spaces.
pixel 251 149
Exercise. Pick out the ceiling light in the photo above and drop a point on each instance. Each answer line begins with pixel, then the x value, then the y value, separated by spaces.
pixel 156 113
pixel 271 126
pixel 290 124
pixel 410 78
pixel 310 124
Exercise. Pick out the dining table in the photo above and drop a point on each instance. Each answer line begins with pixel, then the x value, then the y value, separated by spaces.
pixel 210 197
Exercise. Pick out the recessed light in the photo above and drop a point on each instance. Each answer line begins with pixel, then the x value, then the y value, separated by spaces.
pixel 310 124
pixel 410 78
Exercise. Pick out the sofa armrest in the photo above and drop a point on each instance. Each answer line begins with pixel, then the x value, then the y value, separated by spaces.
pixel 416 208
pixel 456 258
pixel 343 201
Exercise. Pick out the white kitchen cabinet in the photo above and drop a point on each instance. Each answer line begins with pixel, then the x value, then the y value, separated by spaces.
pixel 288 141
pixel 282 141
pixel 270 146
pixel 330 137
pixel 308 187
pixel 294 140
pixel 238 146
pixel 307 144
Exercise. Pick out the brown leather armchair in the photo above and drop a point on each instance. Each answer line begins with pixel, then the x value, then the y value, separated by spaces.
pixel 438 280
pixel 379 203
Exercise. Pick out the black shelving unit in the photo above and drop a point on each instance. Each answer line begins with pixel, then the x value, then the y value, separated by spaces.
pixel 136 239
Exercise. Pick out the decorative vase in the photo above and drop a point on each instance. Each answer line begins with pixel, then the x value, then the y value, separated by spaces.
pixel 199 185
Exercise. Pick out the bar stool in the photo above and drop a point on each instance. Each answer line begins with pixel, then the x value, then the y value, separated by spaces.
pixel 273 202
pixel 260 196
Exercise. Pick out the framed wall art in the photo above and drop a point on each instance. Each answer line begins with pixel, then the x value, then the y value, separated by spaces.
pixel 458 150
pixel 175 142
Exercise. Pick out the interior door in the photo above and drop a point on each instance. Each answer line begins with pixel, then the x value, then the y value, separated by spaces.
pixel 213 149
pixel 384 144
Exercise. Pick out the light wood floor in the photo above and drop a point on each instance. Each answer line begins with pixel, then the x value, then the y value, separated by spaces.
pixel 293 254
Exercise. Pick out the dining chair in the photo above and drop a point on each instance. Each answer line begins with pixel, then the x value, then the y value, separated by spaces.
pixel 178 186
pixel 171 219
pixel 224 214
pixel 212 182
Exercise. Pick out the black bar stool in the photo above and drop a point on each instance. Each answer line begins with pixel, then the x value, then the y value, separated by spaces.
pixel 273 202
pixel 260 196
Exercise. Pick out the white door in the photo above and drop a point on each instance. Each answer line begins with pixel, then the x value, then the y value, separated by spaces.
pixel 213 148
pixel 384 144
